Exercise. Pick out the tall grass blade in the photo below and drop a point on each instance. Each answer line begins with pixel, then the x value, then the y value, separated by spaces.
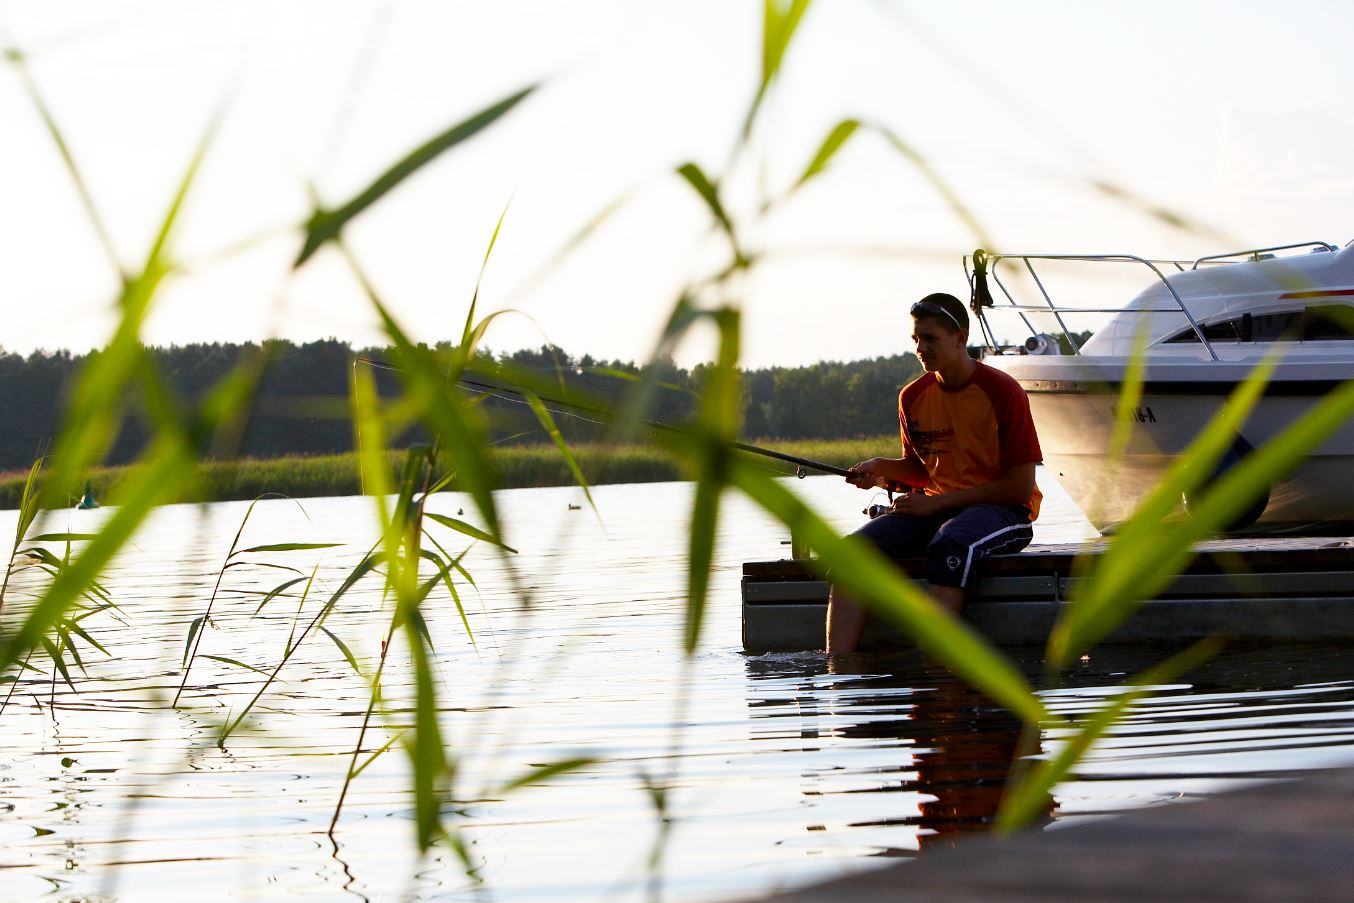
pixel 541 773
pixel 835 140
pixel 457 424
pixel 287 547
pixel 236 663
pixel 167 471
pixel 479 280
pixel 709 192
pixel 28 511
pixel 939 183
pixel 716 426
pixel 343 647
pixel 547 423
pixel 281 588
pixel 1026 799
pixel 473 532
pixel 363 568
pixel 779 24
pixel 1148 551
pixel 92 419
pixel 20 62
pixel 326 225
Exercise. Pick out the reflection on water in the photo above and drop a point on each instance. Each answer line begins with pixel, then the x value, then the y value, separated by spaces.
pixel 782 770
pixel 942 750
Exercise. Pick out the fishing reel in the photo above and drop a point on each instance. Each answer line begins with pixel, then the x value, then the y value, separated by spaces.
pixel 875 510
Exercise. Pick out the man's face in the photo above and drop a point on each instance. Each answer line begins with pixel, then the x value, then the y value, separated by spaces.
pixel 937 347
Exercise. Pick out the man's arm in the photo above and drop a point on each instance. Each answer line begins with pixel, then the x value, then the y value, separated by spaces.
pixel 898 471
pixel 1012 488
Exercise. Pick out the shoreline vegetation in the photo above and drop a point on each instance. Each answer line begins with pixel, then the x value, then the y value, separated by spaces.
pixel 519 466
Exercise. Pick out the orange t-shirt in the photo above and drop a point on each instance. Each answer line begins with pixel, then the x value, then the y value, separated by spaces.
pixel 970 435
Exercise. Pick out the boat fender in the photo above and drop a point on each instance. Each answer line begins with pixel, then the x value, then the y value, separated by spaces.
pixel 1234 455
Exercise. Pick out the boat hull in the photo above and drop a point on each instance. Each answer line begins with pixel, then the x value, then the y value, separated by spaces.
pixel 1075 400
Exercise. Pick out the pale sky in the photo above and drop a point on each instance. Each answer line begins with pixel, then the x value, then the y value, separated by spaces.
pixel 1235 114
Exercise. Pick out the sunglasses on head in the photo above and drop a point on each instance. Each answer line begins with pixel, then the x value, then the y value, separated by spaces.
pixel 929 308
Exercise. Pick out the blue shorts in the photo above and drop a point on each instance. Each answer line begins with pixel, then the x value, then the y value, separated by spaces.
pixel 953 542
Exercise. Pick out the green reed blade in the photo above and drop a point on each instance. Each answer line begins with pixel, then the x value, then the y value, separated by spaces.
pixel 700 555
pixel 941 186
pixel 368 563
pixel 840 134
pixel 716 426
pixel 871 579
pixel 427 753
pixel 78 630
pixel 44 556
pixel 547 423
pixel 93 415
pixel 236 663
pixel 539 774
pixel 193 627
pixel 376 755
pixel 58 662
pixel 280 589
pixel 709 192
pixel 288 547
pixel 326 225
pixel 461 526
pixel 479 280
pixel 1231 494
pixel 1148 551
pixel 444 574
pixel 1027 798
pixel 684 314
pixel 63 633
pixel 166 471
pixel 1173 218
pixel 62 537
pixel 347 653
pixel 455 422
pixel 28 512
pixel 20 62
pixel 779 24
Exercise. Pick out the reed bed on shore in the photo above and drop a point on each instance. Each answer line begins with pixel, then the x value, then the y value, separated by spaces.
pixel 519 466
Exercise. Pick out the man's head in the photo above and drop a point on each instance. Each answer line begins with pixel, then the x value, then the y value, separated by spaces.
pixel 940 331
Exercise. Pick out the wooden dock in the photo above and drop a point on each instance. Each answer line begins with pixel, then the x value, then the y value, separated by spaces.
pixel 1289 588
pixel 1289 840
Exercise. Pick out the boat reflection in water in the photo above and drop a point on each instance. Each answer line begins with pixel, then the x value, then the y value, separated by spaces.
pixel 933 754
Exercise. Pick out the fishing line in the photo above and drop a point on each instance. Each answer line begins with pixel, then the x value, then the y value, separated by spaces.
pixel 573 409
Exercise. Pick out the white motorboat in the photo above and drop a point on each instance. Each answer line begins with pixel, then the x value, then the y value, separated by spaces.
pixel 1205 324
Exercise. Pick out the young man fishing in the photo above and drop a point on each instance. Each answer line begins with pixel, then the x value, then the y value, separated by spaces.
pixel 969 450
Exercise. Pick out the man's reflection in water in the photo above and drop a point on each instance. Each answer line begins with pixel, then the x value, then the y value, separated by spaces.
pixel 961 743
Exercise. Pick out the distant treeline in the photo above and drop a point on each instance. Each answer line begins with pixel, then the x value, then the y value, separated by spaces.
pixel 302 403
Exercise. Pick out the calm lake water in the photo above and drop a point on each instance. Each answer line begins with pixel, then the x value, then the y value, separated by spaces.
pixel 781 770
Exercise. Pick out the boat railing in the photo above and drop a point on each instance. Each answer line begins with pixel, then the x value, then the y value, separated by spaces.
pixel 990 262
pixel 1260 253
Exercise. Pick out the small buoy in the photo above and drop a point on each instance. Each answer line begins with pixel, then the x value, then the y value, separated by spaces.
pixel 460 511
pixel 88 501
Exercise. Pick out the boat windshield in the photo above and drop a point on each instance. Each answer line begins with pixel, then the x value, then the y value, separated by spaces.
pixel 1331 322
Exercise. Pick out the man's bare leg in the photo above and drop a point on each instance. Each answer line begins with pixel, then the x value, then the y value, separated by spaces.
pixel 845 623
pixel 951 597
pixel 846 619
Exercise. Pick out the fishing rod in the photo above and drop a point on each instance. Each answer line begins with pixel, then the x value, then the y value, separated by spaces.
pixel 573 409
